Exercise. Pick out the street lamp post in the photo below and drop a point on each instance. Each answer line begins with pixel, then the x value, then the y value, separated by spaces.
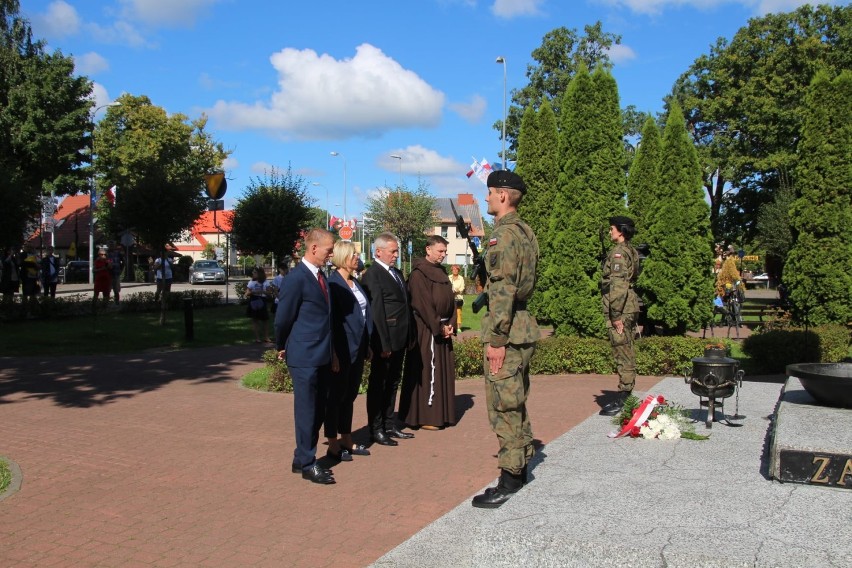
pixel 398 157
pixel 92 202
pixel 318 184
pixel 502 60
pixel 335 154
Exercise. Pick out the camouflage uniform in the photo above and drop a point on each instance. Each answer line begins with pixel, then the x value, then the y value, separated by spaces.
pixel 620 302
pixel 510 262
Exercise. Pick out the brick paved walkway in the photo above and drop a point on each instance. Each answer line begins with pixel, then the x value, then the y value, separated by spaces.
pixel 161 459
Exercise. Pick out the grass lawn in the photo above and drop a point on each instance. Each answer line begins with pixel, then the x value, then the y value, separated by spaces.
pixel 114 332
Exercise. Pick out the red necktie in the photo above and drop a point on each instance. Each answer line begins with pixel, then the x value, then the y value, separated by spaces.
pixel 322 284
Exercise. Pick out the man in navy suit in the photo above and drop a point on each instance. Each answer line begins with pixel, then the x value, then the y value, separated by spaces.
pixel 392 335
pixel 303 335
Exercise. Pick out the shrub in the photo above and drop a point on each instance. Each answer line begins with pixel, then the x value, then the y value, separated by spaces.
pixel 279 379
pixel 772 350
pixel 562 355
pixel 469 356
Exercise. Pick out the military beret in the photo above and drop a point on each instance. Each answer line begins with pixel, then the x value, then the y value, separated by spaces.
pixel 507 179
pixel 621 220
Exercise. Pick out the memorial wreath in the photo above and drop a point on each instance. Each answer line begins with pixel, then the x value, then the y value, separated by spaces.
pixel 655 418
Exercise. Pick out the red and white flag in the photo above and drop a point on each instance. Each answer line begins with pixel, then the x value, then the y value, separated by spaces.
pixel 480 169
pixel 111 194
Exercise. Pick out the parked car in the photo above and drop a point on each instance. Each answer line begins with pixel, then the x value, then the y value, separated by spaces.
pixel 76 271
pixel 763 277
pixel 204 271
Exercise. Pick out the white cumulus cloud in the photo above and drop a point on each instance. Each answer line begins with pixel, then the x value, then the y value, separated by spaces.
pixel 166 12
pixel 511 8
pixel 59 20
pixel 470 111
pixel 620 53
pixel 417 160
pixel 319 97
pixel 90 63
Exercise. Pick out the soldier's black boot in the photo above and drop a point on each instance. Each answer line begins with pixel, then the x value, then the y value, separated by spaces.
pixel 493 497
pixel 614 407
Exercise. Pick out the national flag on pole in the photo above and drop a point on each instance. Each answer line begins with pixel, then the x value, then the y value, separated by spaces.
pixel 110 195
pixel 480 169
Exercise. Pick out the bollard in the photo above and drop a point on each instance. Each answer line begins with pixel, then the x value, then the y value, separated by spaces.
pixel 188 319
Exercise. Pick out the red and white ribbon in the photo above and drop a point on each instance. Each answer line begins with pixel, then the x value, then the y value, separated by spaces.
pixel 640 416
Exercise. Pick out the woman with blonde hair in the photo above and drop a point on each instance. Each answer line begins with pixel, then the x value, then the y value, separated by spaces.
pixel 352 324
pixel 457 281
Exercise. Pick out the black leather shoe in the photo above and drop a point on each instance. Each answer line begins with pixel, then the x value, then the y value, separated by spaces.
pixel 317 474
pixel 358 450
pixel 342 455
pixel 614 407
pixel 383 439
pixel 493 497
pixel 397 433
pixel 297 468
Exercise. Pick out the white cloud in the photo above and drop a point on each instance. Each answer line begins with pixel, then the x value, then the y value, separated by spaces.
pixel 230 163
pixel 100 96
pixel 59 20
pixel 119 33
pixel 417 160
pixel 511 8
pixel 262 167
pixel 471 111
pixel 166 12
pixel 90 64
pixel 654 7
pixel 321 98
pixel 620 53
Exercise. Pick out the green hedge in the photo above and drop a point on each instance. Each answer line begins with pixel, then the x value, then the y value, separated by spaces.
pixel 772 350
pixel 572 355
pixel 77 305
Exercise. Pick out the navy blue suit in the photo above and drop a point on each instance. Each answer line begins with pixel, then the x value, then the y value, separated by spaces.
pixel 303 329
pixel 351 330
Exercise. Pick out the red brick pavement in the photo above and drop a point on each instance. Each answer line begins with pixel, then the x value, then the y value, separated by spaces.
pixel 161 459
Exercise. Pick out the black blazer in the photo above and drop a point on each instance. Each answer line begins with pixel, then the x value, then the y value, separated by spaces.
pixel 351 330
pixel 392 329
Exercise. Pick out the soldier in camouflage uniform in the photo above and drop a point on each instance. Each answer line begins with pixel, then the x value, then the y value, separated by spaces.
pixel 621 306
pixel 509 334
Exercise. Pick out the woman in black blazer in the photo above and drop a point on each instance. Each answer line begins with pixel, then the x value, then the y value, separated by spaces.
pixel 352 324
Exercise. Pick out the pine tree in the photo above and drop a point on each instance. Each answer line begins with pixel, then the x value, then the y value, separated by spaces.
pixel 591 188
pixel 676 278
pixel 644 181
pixel 538 166
pixel 818 274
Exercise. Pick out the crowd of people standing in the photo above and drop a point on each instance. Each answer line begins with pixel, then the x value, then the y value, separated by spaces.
pixel 327 326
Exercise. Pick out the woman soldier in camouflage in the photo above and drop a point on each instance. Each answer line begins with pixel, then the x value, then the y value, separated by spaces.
pixel 621 306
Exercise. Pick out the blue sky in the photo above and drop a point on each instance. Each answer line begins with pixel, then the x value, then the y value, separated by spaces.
pixel 289 82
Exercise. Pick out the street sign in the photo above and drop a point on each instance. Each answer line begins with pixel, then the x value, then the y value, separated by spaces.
pixel 216 185
pixel 216 205
pixel 346 232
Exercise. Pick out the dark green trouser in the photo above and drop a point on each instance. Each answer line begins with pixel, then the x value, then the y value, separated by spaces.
pixel 624 353
pixel 506 397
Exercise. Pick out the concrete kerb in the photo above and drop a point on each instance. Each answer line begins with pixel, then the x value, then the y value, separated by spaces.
pixel 601 502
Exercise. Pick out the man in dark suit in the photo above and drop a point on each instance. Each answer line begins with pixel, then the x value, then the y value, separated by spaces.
pixel 303 335
pixel 392 335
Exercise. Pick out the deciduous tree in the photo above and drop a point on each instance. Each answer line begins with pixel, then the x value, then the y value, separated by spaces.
pixel 272 213
pixel 44 118
pixel 158 163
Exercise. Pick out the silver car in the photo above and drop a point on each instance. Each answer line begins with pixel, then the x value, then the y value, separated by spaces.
pixel 206 271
